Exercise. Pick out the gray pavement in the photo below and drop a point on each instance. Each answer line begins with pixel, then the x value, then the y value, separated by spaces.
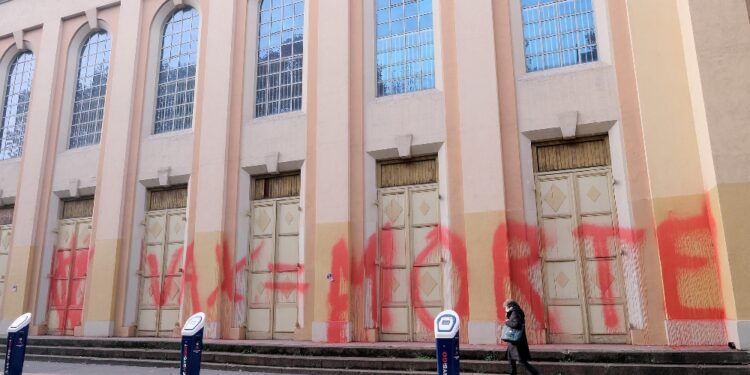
pixel 49 368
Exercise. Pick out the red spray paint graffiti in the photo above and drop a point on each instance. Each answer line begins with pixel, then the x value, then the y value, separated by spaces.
pixel 688 252
pixel 601 238
pixel 523 245
pixel 387 252
pixel 228 270
pixel 338 294
pixel 286 286
pixel 190 280
pixel 454 244
pixel 66 298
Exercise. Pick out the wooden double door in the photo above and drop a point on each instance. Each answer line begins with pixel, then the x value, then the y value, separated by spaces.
pixel 582 272
pixel 274 269
pixel 410 270
pixel 68 277
pixel 161 273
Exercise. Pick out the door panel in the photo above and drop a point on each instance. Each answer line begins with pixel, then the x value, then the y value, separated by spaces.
pixel 397 286
pixel 288 253
pixel 261 254
pixel 429 285
pixel 599 325
pixel 393 248
pixel 264 217
pixel 288 218
pixel 5 232
pixel 424 208
pixel 421 253
pixel 393 209
pixel 562 282
pixel 398 323
pixel 572 328
pixel 555 195
pixel 559 241
pixel 594 194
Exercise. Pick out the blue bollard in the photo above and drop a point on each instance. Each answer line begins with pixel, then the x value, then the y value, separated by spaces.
pixel 447 324
pixel 18 334
pixel 192 345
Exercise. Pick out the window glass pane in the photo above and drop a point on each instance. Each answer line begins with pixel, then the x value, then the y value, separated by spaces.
pixel 91 88
pixel 176 90
pixel 279 84
pixel 16 105
pixel 404 46
pixel 566 29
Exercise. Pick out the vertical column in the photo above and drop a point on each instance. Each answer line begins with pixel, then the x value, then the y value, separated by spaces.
pixel 205 282
pixel 34 181
pixel 453 156
pixel 713 30
pixel 684 224
pixel 332 313
pixel 652 329
pixel 114 159
pixel 484 207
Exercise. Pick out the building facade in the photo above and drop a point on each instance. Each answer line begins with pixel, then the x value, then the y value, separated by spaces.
pixel 341 171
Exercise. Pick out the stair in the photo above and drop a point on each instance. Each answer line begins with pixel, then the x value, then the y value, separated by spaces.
pixel 309 358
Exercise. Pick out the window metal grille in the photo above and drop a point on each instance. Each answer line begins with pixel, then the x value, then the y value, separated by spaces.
pixel 575 154
pixel 166 199
pixel 6 215
pixel 16 105
pixel 91 87
pixel 558 33
pixel 78 208
pixel 405 47
pixel 270 187
pixel 176 90
pixel 279 75
pixel 411 172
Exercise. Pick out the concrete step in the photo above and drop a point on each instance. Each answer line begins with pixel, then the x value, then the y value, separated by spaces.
pixel 549 369
pixel 266 360
pixel 217 366
pixel 659 355
pixel 309 358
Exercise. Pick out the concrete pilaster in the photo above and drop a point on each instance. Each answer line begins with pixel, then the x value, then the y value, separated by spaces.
pixel 332 321
pixel 33 185
pixel 112 186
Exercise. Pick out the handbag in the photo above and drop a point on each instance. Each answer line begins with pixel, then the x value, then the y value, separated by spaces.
pixel 511 335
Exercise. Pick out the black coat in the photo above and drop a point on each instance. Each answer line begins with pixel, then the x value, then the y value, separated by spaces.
pixel 520 350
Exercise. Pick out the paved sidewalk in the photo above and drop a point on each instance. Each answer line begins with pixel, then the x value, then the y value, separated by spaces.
pixel 49 368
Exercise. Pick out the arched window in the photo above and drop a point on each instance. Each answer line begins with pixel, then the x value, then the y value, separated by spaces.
pixel 16 105
pixel 405 50
pixel 279 78
pixel 176 91
pixel 91 87
pixel 558 33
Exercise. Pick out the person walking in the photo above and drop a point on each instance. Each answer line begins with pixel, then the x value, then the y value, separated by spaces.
pixel 518 351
